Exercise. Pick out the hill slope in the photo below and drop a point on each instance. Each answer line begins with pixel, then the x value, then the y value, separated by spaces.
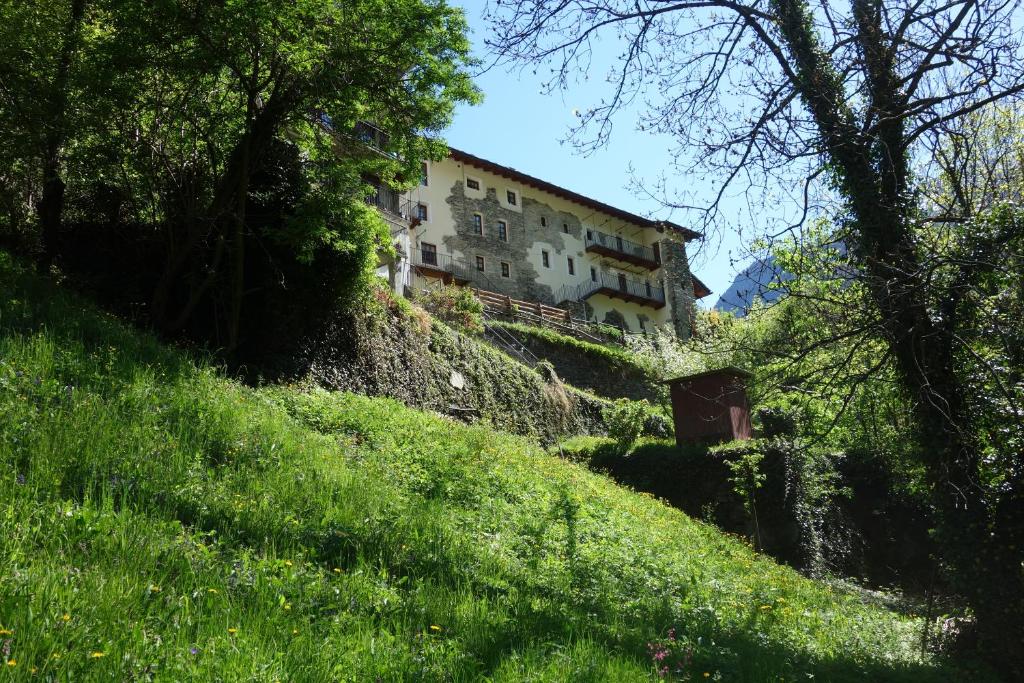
pixel 158 521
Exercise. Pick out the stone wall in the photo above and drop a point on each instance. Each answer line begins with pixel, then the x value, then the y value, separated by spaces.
pixel 598 373
pixel 524 231
pixel 431 366
pixel 678 285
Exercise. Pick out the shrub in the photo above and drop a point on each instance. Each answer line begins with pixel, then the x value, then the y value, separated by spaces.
pixel 625 420
pixel 456 306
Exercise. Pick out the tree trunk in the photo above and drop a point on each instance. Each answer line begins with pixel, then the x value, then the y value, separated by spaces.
pixel 226 218
pixel 51 203
pixel 981 534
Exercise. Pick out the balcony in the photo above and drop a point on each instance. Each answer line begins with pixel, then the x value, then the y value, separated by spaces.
pixel 617 286
pixel 371 136
pixel 392 206
pixel 622 249
pixel 449 269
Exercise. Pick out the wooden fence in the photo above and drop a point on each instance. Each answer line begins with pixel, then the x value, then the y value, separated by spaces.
pixel 542 315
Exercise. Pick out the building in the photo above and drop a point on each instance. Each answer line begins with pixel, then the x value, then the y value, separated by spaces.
pixel 477 223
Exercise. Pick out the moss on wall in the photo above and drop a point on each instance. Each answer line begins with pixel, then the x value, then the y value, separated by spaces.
pixel 608 371
pixel 422 363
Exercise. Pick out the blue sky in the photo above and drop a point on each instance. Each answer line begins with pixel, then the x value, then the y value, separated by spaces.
pixel 519 126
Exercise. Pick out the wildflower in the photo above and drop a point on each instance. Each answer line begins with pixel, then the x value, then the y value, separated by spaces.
pixel 287 563
pixel 435 627
pixel 12 662
pixel 154 589
pixel 766 606
pixel 707 675
pixel 337 571
pixel 212 590
pixel 232 631
pixel 66 617
pixel 97 654
pixel 295 631
pixel 193 650
pixel 287 606
pixel 6 632
pixel 34 670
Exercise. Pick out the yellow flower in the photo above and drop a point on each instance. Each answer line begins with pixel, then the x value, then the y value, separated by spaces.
pixel 766 606
pixel 97 654
pixel 707 675
pixel 295 631
pixel 287 605
pixel 212 590
pixel 287 563
pixel 232 631
pixel 66 617
pixel 12 662
pixel 6 632
pixel 337 571
pixel 154 589
pixel 34 670
pixel 435 627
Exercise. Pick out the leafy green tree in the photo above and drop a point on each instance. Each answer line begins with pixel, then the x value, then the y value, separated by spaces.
pixel 162 114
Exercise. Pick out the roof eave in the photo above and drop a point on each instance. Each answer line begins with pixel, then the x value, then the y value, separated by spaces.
pixel 569 195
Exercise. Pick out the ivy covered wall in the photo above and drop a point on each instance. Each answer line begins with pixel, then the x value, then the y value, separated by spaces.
pixel 426 364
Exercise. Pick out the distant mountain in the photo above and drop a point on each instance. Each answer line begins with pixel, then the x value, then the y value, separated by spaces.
pixel 751 284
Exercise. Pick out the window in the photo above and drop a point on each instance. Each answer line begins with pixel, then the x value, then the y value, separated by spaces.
pixel 590 236
pixel 572 266
pixel 647 288
pixel 421 211
pixel 503 231
pixel 506 269
pixel 424 174
pixel 472 183
pixel 544 259
pixel 480 263
pixel 565 228
pixel 543 222
pixel 428 253
pixel 511 197
pixel 478 224
pixel 593 274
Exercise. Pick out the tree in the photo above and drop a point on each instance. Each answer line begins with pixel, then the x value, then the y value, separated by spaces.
pixel 849 94
pixel 306 70
pixel 42 42
pixel 157 116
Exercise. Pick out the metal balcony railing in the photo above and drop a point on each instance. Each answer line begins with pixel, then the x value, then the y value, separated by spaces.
pixel 619 245
pixel 386 199
pixel 371 135
pixel 612 284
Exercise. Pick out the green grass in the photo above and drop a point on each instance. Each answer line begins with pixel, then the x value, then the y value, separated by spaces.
pixel 161 522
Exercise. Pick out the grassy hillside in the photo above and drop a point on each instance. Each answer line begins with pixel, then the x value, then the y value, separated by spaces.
pixel 160 522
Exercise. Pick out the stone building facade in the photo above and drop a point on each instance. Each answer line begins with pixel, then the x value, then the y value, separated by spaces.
pixel 478 223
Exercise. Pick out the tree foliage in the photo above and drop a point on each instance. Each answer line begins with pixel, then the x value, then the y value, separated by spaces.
pixel 227 128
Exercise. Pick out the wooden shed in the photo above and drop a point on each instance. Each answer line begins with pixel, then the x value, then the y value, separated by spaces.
pixel 711 407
